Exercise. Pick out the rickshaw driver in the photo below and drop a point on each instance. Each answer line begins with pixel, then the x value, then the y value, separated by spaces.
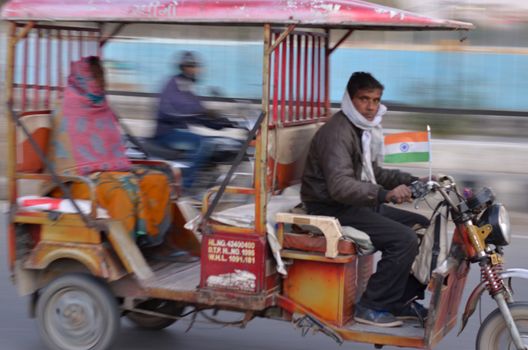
pixel 342 178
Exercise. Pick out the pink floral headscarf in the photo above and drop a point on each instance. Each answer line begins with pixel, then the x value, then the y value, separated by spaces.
pixel 86 133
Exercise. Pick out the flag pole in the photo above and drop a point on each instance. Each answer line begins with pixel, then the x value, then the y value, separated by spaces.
pixel 430 153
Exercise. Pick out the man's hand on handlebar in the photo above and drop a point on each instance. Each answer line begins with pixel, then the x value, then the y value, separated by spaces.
pixel 399 194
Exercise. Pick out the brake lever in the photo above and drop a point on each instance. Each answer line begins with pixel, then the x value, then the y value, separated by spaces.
pixel 419 189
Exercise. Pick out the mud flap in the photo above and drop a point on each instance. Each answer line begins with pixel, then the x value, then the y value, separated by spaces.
pixel 473 299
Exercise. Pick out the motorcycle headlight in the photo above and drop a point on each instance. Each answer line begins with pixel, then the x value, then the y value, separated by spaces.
pixel 497 216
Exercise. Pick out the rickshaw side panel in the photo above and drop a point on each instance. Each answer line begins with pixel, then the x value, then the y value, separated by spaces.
pixel 96 258
pixel 447 285
pixel 179 236
pixel 235 262
pixel 326 288
pixel 52 258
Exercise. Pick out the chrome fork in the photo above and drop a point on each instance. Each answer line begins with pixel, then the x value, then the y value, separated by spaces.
pixel 510 323
pixel 502 295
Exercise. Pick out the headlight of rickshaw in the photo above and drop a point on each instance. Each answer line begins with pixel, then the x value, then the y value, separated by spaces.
pixel 497 216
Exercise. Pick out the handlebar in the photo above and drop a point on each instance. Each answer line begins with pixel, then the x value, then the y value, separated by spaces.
pixel 445 184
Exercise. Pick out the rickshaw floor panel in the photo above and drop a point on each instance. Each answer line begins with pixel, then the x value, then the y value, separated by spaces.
pixel 175 276
pixel 409 329
pixel 181 282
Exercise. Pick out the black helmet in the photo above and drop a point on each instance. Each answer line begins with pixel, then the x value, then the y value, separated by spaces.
pixel 188 59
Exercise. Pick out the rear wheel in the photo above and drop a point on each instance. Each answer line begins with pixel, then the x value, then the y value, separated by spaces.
pixel 152 322
pixel 494 334
pixel 77 312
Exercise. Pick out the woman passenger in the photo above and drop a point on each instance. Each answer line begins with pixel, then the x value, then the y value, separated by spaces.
pixel 86 141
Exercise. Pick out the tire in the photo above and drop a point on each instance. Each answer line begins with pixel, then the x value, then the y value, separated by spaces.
pixel 154 322
pixel 493 333
pixel 77 312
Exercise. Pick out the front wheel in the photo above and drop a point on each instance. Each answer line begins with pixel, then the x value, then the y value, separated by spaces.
pixel 494 334
pixel 77 312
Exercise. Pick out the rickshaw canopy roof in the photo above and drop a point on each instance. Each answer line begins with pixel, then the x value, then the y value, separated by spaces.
pixel 351 14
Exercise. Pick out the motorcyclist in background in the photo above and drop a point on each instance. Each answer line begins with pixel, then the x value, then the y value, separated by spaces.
pixel 183 122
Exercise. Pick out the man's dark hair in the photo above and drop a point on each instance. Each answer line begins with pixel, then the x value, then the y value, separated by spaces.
pixel 362 81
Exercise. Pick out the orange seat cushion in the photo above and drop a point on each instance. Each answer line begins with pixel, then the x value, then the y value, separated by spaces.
pixel 38 123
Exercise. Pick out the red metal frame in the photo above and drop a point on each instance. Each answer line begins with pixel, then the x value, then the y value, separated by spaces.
pixel 305 77
pixel 60 78
pixel 284 59
pixel 298 80
pixel 37 71
pixel 25 73
pixel 302 93
pixel 40 47
pixel 48 69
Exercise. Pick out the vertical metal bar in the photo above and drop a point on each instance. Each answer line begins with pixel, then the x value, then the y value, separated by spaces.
pixel 10 68
pixel 318 77
pixel 48 69
pixel 312 79
pixel 92 37
pixel 80 42
pixel 100 41
pixel 284 54
pixel 11 141
pixel 290 80
pixel 25 74
pixel 95 44
pixel 59 63
pixel 327 73
pixel 298 80
pixel 36 82
pixel 261 164
pixel 276 70
pixel 305 79
pixel 70 50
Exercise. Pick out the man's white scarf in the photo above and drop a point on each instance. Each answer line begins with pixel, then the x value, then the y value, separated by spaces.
pixel 371 139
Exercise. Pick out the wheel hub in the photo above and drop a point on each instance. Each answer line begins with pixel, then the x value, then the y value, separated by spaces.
pixel 75 320
pixel 75 315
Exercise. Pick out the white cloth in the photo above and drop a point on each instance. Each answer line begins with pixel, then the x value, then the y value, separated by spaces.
pixel 371 139
pixel 61 205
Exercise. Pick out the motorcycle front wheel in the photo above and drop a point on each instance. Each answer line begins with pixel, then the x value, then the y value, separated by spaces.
pixel 493 333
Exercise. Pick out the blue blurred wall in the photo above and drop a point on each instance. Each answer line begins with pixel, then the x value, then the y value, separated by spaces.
pixel 450 79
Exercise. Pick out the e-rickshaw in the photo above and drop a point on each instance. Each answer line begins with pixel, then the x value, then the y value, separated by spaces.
pixel 83 272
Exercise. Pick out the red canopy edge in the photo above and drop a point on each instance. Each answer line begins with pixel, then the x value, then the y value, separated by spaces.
pixel 316 13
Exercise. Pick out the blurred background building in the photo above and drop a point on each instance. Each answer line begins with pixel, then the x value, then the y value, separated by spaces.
pixel 484 69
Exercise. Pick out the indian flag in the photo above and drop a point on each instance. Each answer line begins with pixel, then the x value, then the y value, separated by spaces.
pixel 407 147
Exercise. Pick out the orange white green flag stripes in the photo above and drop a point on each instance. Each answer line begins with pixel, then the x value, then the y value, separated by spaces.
pixel 407 147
